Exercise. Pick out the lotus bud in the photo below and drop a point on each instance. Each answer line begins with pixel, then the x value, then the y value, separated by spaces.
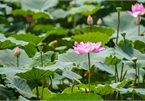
pixel 17 51
pixel 99 22
pixel 90 20
pixel 29 18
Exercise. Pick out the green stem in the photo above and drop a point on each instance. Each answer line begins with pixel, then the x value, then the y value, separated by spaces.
pixel 124 75
pixel 121 72
pixel 37 91
pixel 50 87
pixel 115 74
pixel 74 23
pixel 116 71
pixel 132 95
pixel 136 73
pixel 17 61
pixel 117 94
pixel 43 86
pixel 90 28
pixel 118 27
pixel 89 71
pixel 72 88
pixel 138 24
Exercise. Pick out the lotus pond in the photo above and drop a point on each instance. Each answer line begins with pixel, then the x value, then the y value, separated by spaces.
pixel 72 50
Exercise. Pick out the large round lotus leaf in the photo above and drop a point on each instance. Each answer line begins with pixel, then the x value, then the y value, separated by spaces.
pixel 38 4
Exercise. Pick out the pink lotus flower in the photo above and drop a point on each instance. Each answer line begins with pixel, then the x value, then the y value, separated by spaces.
pixel 87 47
pixel 137 9
pixel 17 51
pixel 90 20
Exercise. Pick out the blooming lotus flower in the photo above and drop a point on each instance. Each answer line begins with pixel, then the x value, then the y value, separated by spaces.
pixel 17 51
pixel 90 20
pixel 137 9
pixel 87 47
pixel 99 22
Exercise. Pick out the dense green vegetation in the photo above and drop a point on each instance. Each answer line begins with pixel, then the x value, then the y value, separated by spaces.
pixel 39 40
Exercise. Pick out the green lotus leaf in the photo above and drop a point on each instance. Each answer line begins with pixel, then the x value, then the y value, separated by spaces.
pixel 92 37
pixel 35 74
pixel 77 96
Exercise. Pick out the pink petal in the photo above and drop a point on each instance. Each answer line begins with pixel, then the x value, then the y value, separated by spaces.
pixel 143 12
pixel 79 51
pixel 133 8
pixel 134 14
pixel 141 7
pixel 97 45
pixel 98 49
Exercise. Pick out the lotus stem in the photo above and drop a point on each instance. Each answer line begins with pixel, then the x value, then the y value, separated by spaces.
pixel 17 61
pixel 118 27
pixel 132 95
pixel 136 72
pixel 37 91
pixel 116 74
pixel 124 75
pixel 121 72
pixel 41 58
pixel 138 24
pixel 89 71
pixel 90 28
pixel 138 75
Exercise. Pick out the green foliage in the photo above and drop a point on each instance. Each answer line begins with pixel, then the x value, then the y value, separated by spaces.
pixel 127 26
pixel 102 29
pixel 30 49
pixel 48 59
pixel 84 10
pixel 43 4
pixel 112 60
pixel 47 94
pixel 6 44
pixel 107 89
pixel 35 74
pixel 81 60
pixel 54 26
pixel 77 96
pixel 32 38
pixel 138 91
pixel 92 37
pixel 5 92
pixel 9 60
pixel 20 85
pixel 139 45
pixel 35 15
pixel 43 28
